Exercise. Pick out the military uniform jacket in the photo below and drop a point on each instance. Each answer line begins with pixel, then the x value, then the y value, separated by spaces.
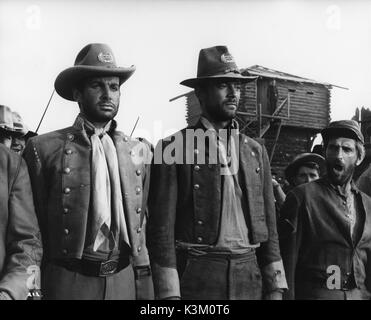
pixel 185 200
pixel 59 165
pixel 20 243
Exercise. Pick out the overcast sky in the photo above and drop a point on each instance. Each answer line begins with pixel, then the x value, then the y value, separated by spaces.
pixel 328 41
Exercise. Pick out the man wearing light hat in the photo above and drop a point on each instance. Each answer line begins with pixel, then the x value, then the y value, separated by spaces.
pixel 212 228
pixel 90 185
pixel 326 242
pixel 22 133
pixel 7 131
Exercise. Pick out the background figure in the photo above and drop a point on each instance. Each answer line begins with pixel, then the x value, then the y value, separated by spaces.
pixel 21 133
pixel 20 243
pixel 90 185
pixel 326 226
pixel 364 180
pixel 6 126
pixel 212 227
pixel 305 167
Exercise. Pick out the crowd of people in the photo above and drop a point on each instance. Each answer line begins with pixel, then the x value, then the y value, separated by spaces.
pixel 103 216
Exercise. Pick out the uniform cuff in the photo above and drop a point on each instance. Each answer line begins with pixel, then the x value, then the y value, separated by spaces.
pixel 274 277
pixel 165 281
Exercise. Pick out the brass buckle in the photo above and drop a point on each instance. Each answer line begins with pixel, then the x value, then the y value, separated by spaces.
pixel 108 267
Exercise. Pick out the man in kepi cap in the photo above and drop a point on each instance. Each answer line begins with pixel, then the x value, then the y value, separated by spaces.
pixel 212 228
pixel 326 243
pixel 305 167
pixel 90 185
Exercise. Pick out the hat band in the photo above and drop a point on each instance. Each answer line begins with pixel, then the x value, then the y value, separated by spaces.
pixel 219 72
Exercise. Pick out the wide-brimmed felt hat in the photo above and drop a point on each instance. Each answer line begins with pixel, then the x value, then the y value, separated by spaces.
pixel 94 60
pixel 343 128
pixel 301 160
pixel 20 127
pixel 216 63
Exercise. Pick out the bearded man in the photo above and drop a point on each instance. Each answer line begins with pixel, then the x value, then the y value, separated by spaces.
pixel 326 227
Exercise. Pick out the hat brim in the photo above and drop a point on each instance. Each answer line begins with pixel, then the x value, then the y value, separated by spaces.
pixel 341 132
pixel 292 168
pixel 194 82
pixel 66 81
pixel 11 132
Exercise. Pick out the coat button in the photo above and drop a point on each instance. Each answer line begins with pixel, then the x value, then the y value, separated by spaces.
pixel 138 172
pixel 66 231
pixel 197 167
pixel 138 190
pixel 70 136
pixel 139 249
pixel 64 251
pixel 196 186
pixel 139 210
pixel 65 210
pixel 245 140
pixel 257 170
pixel 67 190
pixel 68 151
pixel 200 222
pixel 67 170
pixel 139 230
pixel 199 239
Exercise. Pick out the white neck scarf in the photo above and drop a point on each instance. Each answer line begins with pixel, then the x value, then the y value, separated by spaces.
pixel 106 189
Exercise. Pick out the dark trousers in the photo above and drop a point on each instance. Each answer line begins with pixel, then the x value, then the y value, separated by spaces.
pixel 221 277
pixel 59 283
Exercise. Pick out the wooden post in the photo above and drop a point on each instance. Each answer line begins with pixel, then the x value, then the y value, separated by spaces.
pixel 259 115
pixel 275 141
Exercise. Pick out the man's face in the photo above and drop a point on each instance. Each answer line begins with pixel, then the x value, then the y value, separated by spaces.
pixel 220 99
pixel 6 139
pixel 305 175
pixel 99 98
pixel 18 144
pixel 341 160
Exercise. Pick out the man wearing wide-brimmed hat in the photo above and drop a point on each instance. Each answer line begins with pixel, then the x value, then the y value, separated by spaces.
pixel 212 228
pixel 20 242
pixel 21 133
pixel 7 130
pixel 326 242
pixel 90 185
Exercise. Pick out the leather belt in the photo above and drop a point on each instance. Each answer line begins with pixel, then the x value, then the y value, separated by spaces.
pixel 94 268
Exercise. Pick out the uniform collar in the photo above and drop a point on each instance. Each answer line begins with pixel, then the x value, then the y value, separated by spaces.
pixel 82 124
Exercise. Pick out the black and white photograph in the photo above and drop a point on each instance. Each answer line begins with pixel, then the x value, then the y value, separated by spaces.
pixel 204 151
